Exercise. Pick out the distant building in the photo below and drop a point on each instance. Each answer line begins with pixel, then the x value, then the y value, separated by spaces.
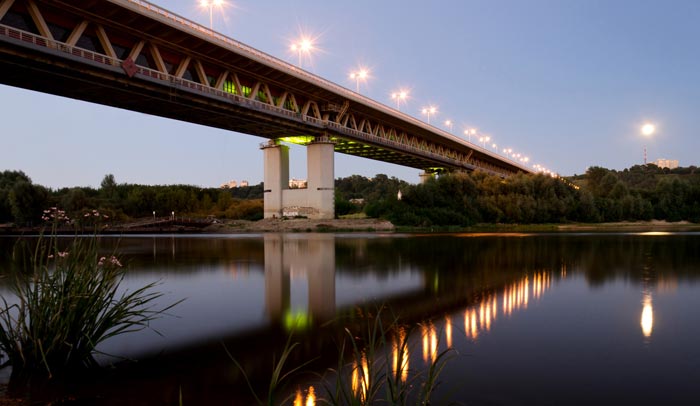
pixel 230 185
pixel 297 183
pixel 666 163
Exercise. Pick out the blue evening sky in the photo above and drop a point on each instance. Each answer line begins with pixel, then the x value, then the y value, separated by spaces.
pixel 567 83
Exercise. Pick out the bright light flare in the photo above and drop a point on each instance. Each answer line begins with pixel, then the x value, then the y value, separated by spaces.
pixel 400 96
pixel 648 129
pixel 362 74
pixel 304 46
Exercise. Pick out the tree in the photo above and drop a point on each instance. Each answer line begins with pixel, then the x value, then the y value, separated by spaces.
pixel 108 187
pixel 27 202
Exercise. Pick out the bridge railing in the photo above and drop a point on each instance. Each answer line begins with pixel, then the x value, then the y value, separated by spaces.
pixel 200 88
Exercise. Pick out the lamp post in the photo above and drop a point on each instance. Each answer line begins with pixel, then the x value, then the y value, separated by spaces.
pixel 428 111
pixel 484 140
pixel 361 74
pixel 211 4
pixel 399 96
pixel 303 45
pixel 648 130
pixel 448 123
pixel 469 133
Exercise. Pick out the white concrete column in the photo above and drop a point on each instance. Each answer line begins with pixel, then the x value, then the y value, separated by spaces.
pixel 321 178
pixel 276 158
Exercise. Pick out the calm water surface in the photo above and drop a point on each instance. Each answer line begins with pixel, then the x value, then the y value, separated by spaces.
pixel 532 318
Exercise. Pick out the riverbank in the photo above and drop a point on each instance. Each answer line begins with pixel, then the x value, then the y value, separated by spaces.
pixel 376 225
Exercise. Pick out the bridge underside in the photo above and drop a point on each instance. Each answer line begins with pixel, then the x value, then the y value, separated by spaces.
pixel 37 71
pixel 134 55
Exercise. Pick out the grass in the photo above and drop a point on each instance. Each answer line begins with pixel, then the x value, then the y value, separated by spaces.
pixel 67 301
pixel 372 369
pixel 377 372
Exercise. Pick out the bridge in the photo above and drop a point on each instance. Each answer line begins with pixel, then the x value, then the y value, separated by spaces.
pixel 134 55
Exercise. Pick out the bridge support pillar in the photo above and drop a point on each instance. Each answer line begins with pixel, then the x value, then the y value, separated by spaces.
pixel 321 178
pixel 425 176
pixel 317 201
pixel 276 178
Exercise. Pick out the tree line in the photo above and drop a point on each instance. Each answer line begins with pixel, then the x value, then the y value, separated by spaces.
pixel 642 192
pixel 22 202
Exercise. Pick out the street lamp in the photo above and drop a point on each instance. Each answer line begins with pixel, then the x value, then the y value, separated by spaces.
pixel 211 4
pixel 469 133
pixel 399 96
pixel 361 74
pixel 448 123
pixel 428 111
pixel 303 45
pixel 648 130
pixel 484 140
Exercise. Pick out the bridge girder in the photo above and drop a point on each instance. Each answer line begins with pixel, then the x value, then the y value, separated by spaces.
pixel 133 55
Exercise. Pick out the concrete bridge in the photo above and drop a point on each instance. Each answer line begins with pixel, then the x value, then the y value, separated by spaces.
pixel 134 55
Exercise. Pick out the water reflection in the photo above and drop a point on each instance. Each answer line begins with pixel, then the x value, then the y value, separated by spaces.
pixel 244 290
pixel 647 316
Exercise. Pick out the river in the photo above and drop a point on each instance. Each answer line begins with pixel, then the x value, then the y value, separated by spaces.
pixel 582 318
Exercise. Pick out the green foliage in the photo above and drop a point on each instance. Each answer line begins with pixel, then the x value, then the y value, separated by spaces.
pixel 67 302
pixel 460 199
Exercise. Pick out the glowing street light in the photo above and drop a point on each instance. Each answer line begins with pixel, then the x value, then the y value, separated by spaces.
pixel 399 96
pixel 361 74
pixel 211 4
pixel 484 140
pixel 469 133
pixel 448 123
pixel 428 111
pixel 303 46
pixel 648 130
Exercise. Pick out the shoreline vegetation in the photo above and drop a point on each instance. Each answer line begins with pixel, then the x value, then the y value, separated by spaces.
pixel 640 198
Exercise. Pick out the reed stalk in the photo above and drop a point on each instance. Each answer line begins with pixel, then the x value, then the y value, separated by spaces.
pixel 66 302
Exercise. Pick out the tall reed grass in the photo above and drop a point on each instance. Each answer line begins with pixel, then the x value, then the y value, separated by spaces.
pixel 66 302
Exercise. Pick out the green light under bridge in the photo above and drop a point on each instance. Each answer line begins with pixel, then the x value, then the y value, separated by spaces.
pixel 298 139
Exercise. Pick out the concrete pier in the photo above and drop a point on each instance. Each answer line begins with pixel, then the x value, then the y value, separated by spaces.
pixel 317 201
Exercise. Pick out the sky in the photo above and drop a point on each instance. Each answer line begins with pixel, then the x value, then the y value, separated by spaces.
pixel 567 83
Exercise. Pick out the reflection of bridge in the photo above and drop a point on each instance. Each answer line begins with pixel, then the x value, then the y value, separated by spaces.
pixel 134 55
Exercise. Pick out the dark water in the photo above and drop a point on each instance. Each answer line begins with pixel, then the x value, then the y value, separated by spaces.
pixel 533 319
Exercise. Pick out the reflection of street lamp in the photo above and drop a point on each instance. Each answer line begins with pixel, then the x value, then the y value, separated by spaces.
pixel 399 96
pixel 361 74
pixel 304 45
pixel 647 321
pixel 211 4
pixel 428 111
pixel 648 130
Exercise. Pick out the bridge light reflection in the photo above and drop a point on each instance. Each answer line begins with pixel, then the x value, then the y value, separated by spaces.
pixel 647 321
pixel 401 355
pixel 310 397
pixel 360 379
pixel 479 317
